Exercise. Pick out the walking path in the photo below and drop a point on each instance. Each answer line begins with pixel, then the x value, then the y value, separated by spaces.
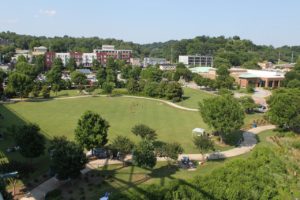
pixel 246 146
pixel 122 96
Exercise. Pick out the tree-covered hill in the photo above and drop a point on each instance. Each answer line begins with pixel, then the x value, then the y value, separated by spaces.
pixel 237 51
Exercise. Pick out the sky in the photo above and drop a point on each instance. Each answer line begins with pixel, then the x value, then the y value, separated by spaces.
pixel 268 22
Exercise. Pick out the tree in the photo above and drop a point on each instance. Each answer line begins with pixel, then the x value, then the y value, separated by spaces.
pixel 251 64
pixel 108 87
pixel 171 151
pixel 91 130
pixel 219 61
pixel 79 79
pixel 57 62
pixel 123 145
pixel 101 76
pixel 45 92
pixel 55 88
pixel 20 84
pixel 295 83
pixel 71 64
pixel 174 91
pixel 30 140
pixel 284 109
pixel 135 73
pixel 132 86
pixel 21 58
pixel 144 131
pixel 36 89
pixel 224 80
pixel 152 74
pixel 203 143
pixel 247 104
pixel 54 75
pixel 143 154
pixel 95 65
pixel 39 63
pixel 67 158
pixel 111 75
pixel 223 113
pixel 151 89
pixel 27 69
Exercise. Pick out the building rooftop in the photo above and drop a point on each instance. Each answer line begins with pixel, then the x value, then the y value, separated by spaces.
pixel 200 69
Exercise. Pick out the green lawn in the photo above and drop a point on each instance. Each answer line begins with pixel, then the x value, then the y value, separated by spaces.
pixel 116 178
pixel 192 97
pixel 59 117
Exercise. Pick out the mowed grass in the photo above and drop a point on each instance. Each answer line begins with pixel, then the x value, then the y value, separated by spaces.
pixel 59 117
pixel 192 97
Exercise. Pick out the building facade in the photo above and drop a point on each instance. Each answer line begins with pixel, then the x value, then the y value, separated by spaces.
pixel 41 50
pixel 155 61
pixel 87 59
pixel 65 57
pixel 196 60
pixel 109 51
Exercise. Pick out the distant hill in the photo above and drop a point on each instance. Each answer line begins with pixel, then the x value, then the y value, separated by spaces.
pixel 236 50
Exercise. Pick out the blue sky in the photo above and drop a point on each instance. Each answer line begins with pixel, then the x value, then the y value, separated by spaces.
pixel 270 22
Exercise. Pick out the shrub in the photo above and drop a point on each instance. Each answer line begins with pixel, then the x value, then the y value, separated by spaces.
pixel 296 145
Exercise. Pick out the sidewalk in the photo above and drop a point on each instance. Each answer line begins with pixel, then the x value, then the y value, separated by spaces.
pixel 247 145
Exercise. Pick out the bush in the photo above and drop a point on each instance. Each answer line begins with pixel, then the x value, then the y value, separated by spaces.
pixel 296 145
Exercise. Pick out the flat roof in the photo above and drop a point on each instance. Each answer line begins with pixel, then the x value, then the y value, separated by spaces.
pixel 248 75
pixel 200 69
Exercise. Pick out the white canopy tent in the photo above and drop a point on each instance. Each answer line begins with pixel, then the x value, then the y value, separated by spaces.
pixel 198 131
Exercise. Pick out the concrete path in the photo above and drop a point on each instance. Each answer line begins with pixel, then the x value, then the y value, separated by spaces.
pixel 246 146
pixel 260 95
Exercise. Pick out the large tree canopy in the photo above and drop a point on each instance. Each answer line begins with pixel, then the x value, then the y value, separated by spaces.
pixel 223 113
pixel 91 130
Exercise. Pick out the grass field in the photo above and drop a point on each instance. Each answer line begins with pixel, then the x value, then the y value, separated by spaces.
pixel 59 117
pixel 192 97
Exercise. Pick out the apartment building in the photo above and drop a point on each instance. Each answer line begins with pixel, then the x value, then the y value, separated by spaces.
pixel 65 57
pixel 196 60
pixel 41 50
pixel 87 59
pixel 109 51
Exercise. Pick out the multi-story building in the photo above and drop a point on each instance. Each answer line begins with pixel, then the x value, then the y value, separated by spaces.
pixel 87 59
pixel 155 61
pixel 135 62
pixel 77 57
pixel 196 60
pixel 64 57
pixel 109 51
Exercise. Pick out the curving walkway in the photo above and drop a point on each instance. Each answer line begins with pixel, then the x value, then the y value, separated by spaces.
pixel 134 97
pixel 246 146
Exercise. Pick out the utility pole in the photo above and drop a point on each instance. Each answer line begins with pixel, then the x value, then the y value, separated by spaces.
pixel 278 58
pixel 292 57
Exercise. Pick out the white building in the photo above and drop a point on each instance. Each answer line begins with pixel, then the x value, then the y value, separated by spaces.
pixel 167 67
pixel 155 61
pixel 64 57
pixel 87 59
pixel 41 50
pixel 135 62
pixel 196 60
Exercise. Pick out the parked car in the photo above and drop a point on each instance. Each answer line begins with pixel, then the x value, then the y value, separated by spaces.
pixel 100 153
pixel 260 109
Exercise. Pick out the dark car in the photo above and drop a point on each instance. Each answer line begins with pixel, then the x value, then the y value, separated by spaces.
pixel 100 153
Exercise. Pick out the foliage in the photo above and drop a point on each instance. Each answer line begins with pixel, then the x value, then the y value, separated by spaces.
pixel 173 90
pixel 108 87
pixel 289 117
pixel 251 64
pixel 132 86
pixel 45 92
pixel 123 145
pixel 170 150
pixel 101 76
pixel 53 76
pixel 91 130
pixel 223 113
pixel 247 104
pixel 71 64
pixel 79 79
pixel 152 74
pixel 151 89
pixel 67 158
pixel 19 83
pixel 224 80
pixel 143 154
pixel 144 131
pixel 203 143
pixel 30 140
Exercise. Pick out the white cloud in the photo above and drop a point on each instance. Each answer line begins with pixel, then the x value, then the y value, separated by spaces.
pixel 49 13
